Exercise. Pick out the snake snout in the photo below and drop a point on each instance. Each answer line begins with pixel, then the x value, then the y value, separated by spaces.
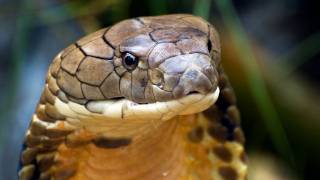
pixel 193 81
pixel 189 73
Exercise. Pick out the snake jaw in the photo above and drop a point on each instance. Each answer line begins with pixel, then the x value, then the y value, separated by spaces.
pixel 124 109
pixel 125 118
pixel 190 104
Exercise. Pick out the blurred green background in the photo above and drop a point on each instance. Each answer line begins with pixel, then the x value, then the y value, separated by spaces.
pixel 270 50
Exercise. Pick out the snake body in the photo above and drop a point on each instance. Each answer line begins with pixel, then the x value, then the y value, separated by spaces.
pixel 146 98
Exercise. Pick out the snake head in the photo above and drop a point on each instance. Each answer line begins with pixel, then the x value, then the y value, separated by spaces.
pixel 144 60
pixel 174 58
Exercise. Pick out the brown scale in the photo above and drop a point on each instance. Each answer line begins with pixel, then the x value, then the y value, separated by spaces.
pixel 225 127
pixel 171 49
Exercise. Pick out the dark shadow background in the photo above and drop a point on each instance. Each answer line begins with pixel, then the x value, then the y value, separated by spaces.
pixel 271 51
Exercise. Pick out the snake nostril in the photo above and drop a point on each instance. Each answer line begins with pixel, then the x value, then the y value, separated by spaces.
pixel 160 85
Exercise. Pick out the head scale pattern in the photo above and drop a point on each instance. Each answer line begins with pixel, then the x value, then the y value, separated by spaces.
pixel 145 60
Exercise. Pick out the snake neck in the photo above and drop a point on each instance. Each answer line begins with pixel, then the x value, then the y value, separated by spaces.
pixel 157 154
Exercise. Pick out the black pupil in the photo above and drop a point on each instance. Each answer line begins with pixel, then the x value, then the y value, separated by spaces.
pixel 130 60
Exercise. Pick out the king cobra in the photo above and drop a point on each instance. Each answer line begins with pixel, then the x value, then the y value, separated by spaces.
pixel 146 98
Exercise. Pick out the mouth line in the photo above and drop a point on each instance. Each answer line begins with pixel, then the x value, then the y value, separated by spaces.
pixel 192 93
pixel 125 109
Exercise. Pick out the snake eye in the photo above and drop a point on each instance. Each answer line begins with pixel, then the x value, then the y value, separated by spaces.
pixel 129 61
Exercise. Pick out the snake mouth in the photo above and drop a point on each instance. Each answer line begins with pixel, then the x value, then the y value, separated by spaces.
pixel 125 109
pixel 123 98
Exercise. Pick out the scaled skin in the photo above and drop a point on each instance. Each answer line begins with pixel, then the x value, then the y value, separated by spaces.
pixel 100 118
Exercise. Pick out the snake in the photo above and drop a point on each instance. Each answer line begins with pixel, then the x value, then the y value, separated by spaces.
pixel 146 98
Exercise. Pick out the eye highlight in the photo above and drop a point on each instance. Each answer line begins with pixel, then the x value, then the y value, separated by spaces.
pixel 129 61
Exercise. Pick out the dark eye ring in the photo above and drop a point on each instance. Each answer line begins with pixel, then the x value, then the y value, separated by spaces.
pixel 129 61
